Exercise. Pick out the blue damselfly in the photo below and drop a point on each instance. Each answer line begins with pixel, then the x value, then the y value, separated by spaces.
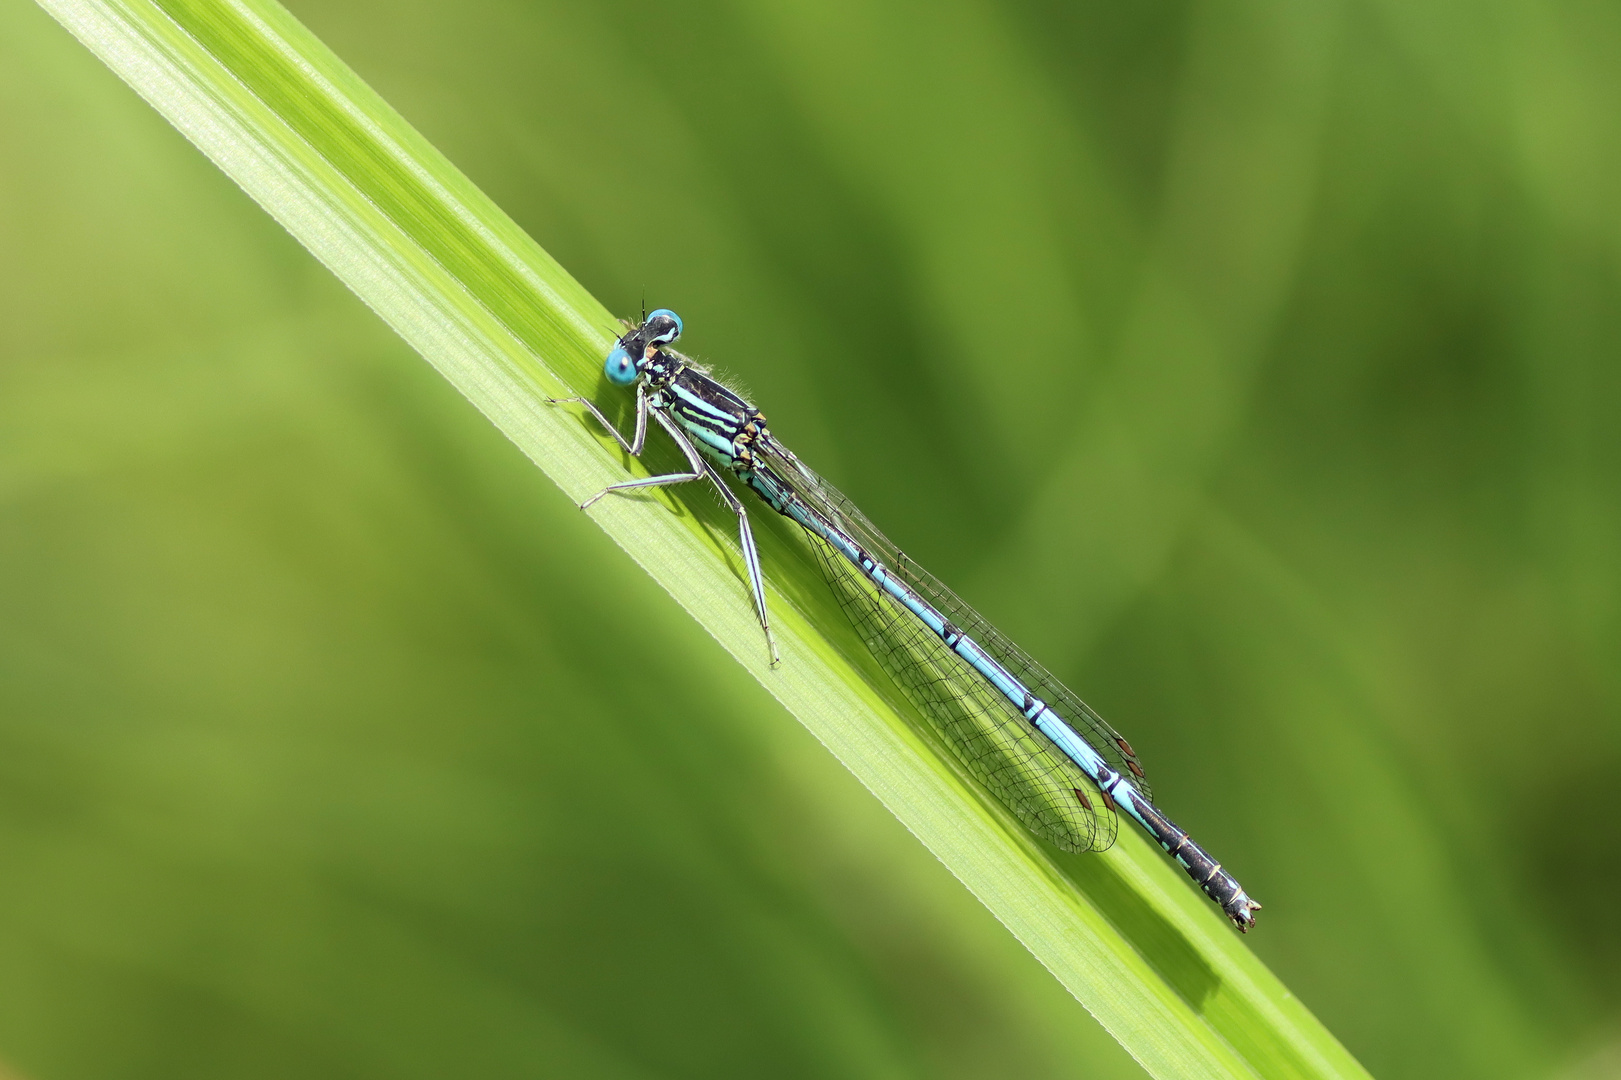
pixel 1057 765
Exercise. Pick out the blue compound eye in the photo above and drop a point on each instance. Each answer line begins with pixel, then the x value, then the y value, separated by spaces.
pixel 663 326
pixel 620 368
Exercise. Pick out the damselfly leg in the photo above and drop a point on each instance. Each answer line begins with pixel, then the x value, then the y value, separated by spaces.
pixel 699 469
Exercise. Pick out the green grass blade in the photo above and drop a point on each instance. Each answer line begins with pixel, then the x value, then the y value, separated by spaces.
pixel 285 119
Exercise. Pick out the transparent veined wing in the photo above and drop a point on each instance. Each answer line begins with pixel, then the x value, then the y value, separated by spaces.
pixel 1093 728
pixel 999 748
pixel 1076 713
pixel 1045 789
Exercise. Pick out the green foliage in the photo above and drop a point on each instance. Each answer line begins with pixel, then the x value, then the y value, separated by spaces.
pixel 1249 364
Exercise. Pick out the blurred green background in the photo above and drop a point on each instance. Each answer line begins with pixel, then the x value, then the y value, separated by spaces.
pixel 1254 364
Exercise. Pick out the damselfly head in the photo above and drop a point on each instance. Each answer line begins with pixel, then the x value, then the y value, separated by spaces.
pixel 625 363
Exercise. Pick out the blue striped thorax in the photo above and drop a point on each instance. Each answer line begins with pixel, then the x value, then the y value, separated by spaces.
pixel 723 426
